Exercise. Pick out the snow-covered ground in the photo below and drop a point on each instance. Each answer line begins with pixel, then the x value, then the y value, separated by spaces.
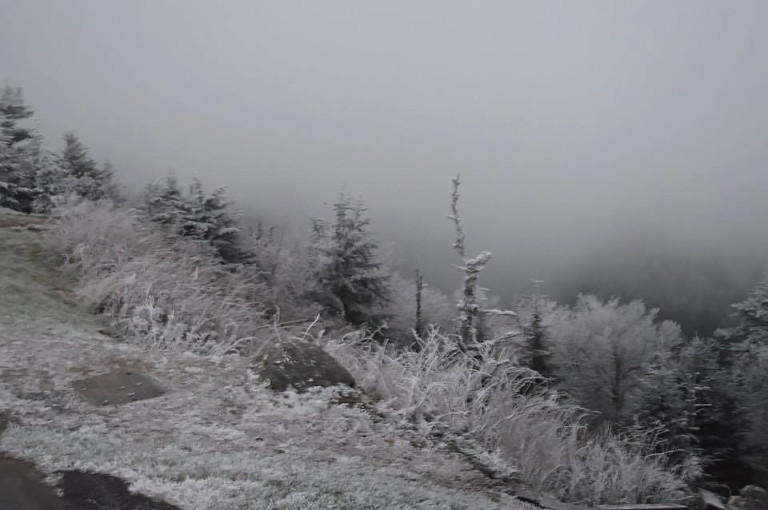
pixel 218 439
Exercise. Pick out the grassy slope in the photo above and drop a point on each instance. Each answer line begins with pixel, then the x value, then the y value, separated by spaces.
pixel 219 439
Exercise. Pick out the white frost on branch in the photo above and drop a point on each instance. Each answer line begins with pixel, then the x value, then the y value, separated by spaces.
pixel 497 312
pixel 454 217
pixel 468 306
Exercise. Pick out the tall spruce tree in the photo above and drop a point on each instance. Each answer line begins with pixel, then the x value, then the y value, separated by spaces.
pixel 666 397
pixel 196 215
pixel 163 202
pixel 746 360
pixel 753 317
pixel 720 421
pixel 349 281
pixel 16 174
pixel 51 179
pixel 12 110
pixel 536 354
pixel 208 217
pixel 89 181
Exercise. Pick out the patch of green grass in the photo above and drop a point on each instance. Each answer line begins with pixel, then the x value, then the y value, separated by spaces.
pixel 35 252
pixel 29 272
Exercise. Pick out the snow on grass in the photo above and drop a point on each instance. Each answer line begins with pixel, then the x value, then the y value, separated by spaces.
pixel 490 400
pixel 218 439
pixel 158 290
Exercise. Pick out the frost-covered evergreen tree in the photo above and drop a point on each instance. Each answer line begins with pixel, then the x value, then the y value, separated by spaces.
pixel 31 175
pixel 16 173
pixel 753 317
pixel 746 347
pixel 51 180
pixel 196 215
pixel 720 421
pixel 12 110
pixel 666 398
pixel 208 217
pixel 89 180
pixel 751 369
pixel 349 280
pixel 163 202
pixel 536 353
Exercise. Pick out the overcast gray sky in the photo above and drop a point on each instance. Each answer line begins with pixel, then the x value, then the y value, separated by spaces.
pixel 567 120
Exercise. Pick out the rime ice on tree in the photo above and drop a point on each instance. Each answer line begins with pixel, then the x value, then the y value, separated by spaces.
pixel 468 306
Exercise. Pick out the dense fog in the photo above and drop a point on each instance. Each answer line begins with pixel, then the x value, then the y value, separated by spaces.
pixel 615 148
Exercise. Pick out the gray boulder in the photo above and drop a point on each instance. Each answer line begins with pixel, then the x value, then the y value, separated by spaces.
pixel 752 498
pixel 301 365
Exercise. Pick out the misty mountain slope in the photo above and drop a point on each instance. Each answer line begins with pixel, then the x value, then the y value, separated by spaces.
pixel 218 438
pixel 693 285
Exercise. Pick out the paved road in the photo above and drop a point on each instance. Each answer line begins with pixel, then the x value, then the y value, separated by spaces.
pixel 22 487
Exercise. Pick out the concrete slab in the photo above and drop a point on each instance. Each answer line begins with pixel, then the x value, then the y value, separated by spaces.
pixel 118 387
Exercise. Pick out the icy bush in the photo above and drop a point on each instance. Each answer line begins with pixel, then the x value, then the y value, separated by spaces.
pixel 159 290
pixel 500 407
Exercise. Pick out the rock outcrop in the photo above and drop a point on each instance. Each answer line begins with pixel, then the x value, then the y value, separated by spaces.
pixel 301 365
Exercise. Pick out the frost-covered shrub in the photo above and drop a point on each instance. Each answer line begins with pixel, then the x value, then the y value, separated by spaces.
pixel 486 397
pixel 602 349
pixel 284 264
pixel 160 290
